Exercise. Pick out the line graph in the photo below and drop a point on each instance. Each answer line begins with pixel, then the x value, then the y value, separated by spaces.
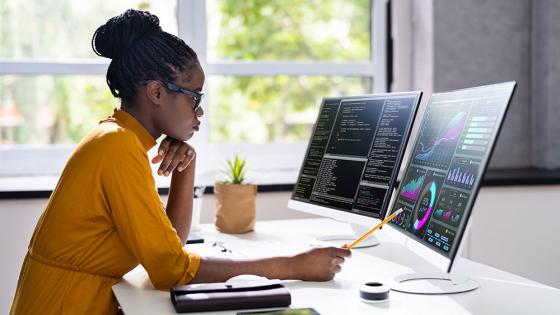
pixel 437 143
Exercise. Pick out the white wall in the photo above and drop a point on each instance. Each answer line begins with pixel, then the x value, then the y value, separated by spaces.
pixel 17 221
pixel 514 229
pixel 270 206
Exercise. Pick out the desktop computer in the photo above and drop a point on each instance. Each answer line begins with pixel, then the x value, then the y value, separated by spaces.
pixel 442 179
pixel 353 158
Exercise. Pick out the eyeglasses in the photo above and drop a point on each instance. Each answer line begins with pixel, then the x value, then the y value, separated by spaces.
pixel 197 96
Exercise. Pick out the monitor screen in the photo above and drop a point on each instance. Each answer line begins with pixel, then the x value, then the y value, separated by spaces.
pixel 451 151
pixel 354 152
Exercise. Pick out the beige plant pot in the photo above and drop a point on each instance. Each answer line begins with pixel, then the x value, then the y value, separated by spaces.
pixel 235 207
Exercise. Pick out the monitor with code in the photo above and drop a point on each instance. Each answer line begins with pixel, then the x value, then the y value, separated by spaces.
pixel 354 153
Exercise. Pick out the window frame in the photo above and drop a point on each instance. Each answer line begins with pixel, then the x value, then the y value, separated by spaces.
pixel 192 27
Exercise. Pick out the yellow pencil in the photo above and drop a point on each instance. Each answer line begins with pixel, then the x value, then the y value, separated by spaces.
pixel 363 237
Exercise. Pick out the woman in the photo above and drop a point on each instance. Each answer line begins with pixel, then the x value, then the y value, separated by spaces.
pixel 105 216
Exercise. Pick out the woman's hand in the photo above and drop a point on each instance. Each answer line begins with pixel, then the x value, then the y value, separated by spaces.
pixel 173 154
pixel 319 264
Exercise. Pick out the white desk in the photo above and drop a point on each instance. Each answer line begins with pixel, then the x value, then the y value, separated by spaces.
pixel 499 293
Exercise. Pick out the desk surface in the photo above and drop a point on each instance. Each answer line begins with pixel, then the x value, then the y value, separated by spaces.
pixel 499 293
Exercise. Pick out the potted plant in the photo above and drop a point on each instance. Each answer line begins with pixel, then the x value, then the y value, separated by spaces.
pixel 235 200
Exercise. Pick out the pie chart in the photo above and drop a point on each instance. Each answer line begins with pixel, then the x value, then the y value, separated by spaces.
pixel 427 199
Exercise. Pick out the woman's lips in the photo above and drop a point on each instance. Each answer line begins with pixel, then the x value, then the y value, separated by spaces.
pixel 196 127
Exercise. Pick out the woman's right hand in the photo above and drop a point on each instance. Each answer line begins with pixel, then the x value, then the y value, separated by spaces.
pixel 173 155
pixel 319 264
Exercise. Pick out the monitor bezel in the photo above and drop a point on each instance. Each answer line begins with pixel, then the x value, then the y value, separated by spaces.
pixel 436 258
pixel 345 215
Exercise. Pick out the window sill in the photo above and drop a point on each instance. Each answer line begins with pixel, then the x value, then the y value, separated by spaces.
pixel 30 187
pixel 267 181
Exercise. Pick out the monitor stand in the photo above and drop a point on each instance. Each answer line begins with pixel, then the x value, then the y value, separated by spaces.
pixel 359 230
pixel 444 283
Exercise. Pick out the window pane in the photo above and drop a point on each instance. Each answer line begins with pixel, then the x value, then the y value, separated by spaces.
pixel 302 30
pixel 51 109
pixel 58 29
pixel 272 109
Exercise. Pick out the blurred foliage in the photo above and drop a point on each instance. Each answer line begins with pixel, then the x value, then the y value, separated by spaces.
pixel 302 30
pixel 57 109
pixel 266 109
pixel 61 29
pixel 62 109
pixel 282 108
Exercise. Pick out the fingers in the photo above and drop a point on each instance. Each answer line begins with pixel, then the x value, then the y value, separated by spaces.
pixel 180 156
pixel 173 154
pixel 338 261
pixel 337 269
pixel 336 265
pixel 188 159
pixel 162 150
pixel 341 252
pixel 326 262
pixel 169 156
pixel 334 268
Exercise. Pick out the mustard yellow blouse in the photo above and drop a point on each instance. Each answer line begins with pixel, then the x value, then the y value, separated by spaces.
pixel 104 217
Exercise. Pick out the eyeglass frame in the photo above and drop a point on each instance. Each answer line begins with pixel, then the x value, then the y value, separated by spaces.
pixel 197 96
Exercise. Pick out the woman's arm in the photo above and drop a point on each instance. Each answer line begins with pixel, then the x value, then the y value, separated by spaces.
pixel 318 264
pixel 180 201
pixel 178 158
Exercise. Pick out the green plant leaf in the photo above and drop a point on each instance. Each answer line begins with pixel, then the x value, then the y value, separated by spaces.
pixel 236 169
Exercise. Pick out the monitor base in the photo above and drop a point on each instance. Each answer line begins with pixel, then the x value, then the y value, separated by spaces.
pixel 451 284
pixel 348 239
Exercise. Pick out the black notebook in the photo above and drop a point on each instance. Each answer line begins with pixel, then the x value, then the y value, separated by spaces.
pixel 229 296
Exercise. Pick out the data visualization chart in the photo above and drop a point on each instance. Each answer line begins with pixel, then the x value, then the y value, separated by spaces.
pixel 440 236
pixel 437 142
pixel 413 184
pixel 402 218
pixel 450 207
pixel 463 172
pixel 479 129
pixel 425 205
pixel 450 155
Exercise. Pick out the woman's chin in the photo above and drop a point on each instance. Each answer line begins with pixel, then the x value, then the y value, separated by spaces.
pixel 188 136
pixel 183 136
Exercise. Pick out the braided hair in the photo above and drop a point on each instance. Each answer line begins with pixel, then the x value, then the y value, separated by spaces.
pixel 140 50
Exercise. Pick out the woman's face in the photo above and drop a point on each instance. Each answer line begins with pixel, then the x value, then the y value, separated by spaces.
pixel 176 117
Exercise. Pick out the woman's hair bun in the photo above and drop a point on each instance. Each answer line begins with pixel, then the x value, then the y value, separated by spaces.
pixel 114 37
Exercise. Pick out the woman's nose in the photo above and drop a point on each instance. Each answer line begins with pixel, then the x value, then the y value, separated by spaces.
pixel 199 112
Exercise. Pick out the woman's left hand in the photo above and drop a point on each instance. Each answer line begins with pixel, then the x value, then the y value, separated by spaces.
pixel 173 154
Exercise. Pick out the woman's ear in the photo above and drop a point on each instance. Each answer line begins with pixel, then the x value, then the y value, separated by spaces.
pixel 153 92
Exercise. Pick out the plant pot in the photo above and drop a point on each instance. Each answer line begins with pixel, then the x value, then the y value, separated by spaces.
pixel 235 207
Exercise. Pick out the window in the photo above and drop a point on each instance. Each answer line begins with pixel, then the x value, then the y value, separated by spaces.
pixel 268 64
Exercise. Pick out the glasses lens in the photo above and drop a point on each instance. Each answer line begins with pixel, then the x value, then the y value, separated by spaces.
pixel 197 100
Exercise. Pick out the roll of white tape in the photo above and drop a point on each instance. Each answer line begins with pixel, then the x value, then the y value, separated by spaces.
pixel 374 292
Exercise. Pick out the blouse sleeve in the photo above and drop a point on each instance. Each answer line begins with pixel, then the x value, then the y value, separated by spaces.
pixel 141 221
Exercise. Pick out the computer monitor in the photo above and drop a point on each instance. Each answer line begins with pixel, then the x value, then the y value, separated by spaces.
pixel 442 177
pixel 353 159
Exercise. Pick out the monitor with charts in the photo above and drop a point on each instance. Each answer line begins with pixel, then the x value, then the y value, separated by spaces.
pixel 353 157
pixel 441 181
